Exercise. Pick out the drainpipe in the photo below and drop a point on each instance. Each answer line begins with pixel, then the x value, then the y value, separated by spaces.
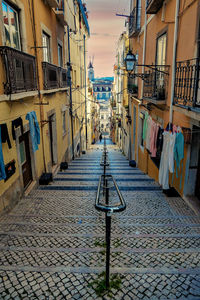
pixel 86 135
pixel 38 83
pixel 142 87
pixel 70 92
pixel 174 61
pixel 144 48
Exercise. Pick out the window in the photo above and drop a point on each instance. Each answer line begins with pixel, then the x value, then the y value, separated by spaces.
pixel 46 45
pixel 102 117
pixel 161 59
pixel 64 122
pixel 22 152
pixel 60 55
pixel 11 26
pixel 141 129
pixel 138 14
pixel 161 50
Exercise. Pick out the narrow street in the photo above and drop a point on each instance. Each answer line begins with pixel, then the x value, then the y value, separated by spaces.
pixel 49 241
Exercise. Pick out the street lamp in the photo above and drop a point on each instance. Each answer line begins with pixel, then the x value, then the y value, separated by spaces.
pixel 130 61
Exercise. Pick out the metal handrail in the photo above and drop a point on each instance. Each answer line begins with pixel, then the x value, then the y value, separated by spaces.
pixel 109 208
pixel 104 161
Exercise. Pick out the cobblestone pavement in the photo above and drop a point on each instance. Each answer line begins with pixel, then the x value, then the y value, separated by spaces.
pixel 50 243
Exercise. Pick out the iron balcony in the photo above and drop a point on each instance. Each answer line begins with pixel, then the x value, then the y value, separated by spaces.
pixel 134 21
pixel 20 70
pixel 187 90
pixel 153 6
pixel 156 84
pixel 54 76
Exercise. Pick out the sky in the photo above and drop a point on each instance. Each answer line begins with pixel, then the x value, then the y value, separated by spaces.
pixel 105 29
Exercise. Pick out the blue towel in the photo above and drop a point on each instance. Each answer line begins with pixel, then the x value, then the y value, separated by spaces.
pixel 2 166
pixel 34 129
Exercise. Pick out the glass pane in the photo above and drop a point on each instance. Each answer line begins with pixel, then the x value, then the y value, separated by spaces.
pixel 6 23
pixel 22 153
pixel 46 45
pixel 60 58
pixel 14 30
pixel 161 50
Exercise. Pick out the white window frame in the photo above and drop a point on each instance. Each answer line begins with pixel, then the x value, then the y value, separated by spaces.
pixel 46 56
pixel 60 46
pixel 18 27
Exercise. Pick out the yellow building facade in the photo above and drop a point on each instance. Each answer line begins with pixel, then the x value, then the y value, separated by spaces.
pixel 42 84
pixel 166 46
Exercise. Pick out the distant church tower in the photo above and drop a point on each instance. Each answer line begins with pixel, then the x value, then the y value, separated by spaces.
pixel 90 71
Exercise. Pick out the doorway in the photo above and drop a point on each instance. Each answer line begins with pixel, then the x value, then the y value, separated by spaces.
pixel 25 159
pixel 193 184
pixel 197 188
pixel 53 139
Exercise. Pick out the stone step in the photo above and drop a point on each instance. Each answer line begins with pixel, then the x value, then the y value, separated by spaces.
pixel 43 257
pixel 134 243
pixel 73 283
pixel 120 229
pixel 118 219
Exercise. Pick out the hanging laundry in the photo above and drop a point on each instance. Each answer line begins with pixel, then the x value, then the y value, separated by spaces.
pixel 164 162
pixel 171 152
pixel 179 154
pixel 4 135
pixel 34 129
pixel 159 142
pixel 153 138
pixel 148 136
pixel 16 123
pixel 144 134
pixel 2 166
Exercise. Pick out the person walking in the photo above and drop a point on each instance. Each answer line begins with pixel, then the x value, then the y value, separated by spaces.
pixel 100 137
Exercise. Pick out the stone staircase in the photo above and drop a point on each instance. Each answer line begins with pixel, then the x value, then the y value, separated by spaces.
pixel 50 242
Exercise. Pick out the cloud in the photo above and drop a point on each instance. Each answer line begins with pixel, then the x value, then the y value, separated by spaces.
pixel 104 34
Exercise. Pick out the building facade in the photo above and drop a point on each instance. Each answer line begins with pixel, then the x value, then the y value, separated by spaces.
pixel 41 87
pixel 102 90
pixel 166 46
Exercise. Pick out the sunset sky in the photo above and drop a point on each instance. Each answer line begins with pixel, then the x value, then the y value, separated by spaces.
pixel 105 28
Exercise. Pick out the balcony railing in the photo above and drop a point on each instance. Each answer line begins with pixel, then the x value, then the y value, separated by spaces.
pixel 55 77
pixel 153 6
pixel 53 3
pixel 187 83
pixel 156 84
pixel 61 13
pixel 132 87
pixel 20 71
pixel 134 21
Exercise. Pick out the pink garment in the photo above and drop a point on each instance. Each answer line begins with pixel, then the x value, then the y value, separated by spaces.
pixel 148 136
pixel 175 129
pixel 153 139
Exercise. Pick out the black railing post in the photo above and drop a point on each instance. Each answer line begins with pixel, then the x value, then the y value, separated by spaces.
pixel 107 192
pixel 108 232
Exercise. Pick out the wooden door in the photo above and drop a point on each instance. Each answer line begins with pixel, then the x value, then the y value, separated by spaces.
pixel 197 189
pixel 51 138
pixel 25 158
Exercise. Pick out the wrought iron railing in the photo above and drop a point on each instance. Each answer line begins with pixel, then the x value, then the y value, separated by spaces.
pixel 132 87
pixel 55 77
pixel 109 204
pixel 20 71
pixel 134 21
pixel 156 83
pixel 153 6
pixel 187 83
